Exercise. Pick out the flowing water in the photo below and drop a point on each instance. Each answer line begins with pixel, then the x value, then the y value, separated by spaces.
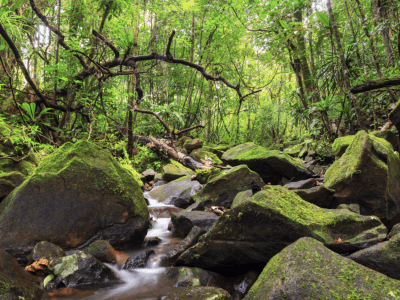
pixel 147 283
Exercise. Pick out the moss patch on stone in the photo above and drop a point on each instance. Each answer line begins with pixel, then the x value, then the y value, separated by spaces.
pixel 201 153
pixel 203 176
pixel 340 144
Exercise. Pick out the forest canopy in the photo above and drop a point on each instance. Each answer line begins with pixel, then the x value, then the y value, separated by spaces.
pixel 268 72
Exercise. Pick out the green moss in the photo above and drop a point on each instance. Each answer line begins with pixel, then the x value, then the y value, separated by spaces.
pixel 203 176
pixel 182 141
pixel 392 250
pixel 201 153
pixel 84 160
pixel 340 144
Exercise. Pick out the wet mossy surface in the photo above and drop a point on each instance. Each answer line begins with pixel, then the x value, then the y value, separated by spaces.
pixel 340 144
pixel 308 270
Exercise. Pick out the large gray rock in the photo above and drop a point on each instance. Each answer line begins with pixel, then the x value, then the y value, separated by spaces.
pixel 184 221
pixel 256 230
pixel 368 174
pixel 222 189
pixel 271 165
pixel 179 190
pixel 14 282
pixel 78 194
pixel 46 250
pixel 308 270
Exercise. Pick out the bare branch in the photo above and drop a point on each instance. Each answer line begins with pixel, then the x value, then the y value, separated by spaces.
pixel 107 42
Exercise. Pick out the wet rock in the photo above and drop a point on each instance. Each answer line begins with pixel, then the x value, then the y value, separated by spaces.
pixel 78 194
pixel 181 189
pixel 197 206
pixel 222 189
pixel 244 283
pixel 242 197
pixel 271 165
pixel 154 241
pixel 191 145
pixel 138 261
pixel 302 184
pixel 355 208
pixel 318 195
pixel 80 269
pixel 256 230
pixel 201 153
pixel 174 171
pixel 184 221
pixel 14 282
pixel 199 293
pixel 149 174
pixel 368 174
pixel 308 270
pixel 163 211
pixel 184 276
pixel 189 241
pixel 46 250
pixel 383 257
pixel 103 251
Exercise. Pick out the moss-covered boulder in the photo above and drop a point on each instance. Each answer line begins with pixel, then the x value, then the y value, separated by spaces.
pixel 368 173
pixel 201 153
pixel 78 194
pixel 103 251
pixel 383 257
pixel 79 269
pixel 190 145
pixel 199 293
pixel 17 161
pixel 179 190
pixel 389 136
pixel 204 175
pixel 184 221
pixel 182 141
pixel 222 189
pixel 341 144
pixel 175 170
pixel 242 197
pixel 15 283
pixel 256 230
pixel 271 165
pixel 308 270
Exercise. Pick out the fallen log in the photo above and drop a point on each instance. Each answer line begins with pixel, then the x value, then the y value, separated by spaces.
pixel 375 84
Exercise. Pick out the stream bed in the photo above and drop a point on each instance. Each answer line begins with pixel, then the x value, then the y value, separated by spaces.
pixel 147 283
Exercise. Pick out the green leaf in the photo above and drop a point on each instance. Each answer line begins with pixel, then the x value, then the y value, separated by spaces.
pixel 323 18
pixel 48 279
pixel 284 24
pixel 16 5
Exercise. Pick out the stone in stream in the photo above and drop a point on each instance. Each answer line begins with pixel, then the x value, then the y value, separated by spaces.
pixel 222 189
pixel 271 165
pixel 15 283
pixel 189 241
pixel 163 211
pixel 199 293
pixel 308 270
pixel 138 261
pixel 77 195
pixel 318 195
pixel 368 173
pixel 149 174
pixel 197 206
pixel 79 269
pixel 179 190
pixel 184 221
pixel 184 276
pixel 45 250
pixel 383 257
pixel 103 251
pixel 175 170
pixel 254 231
pixel 154 241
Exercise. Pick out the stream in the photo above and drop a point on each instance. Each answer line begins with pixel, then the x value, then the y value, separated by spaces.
pixel 147 283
